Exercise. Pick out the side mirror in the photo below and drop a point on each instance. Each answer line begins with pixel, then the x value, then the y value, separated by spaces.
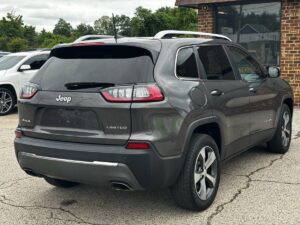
pixel 24 67
pixel 274 72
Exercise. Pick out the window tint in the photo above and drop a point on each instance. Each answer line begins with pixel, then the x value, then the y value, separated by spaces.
pixel 105 64
pixel 216 63
pixel 246 65
pixel 186 66
pixel 36 62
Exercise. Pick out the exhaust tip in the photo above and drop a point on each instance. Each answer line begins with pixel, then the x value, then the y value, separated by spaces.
pixel 31 173
pixel 120 186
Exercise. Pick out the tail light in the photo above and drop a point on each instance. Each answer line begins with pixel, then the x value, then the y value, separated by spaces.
pixel 88 44
pixel 28 91
pixel 137 146
pixel 18 134
pixel 136 93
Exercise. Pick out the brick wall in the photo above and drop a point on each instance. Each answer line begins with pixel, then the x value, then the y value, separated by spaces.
pixel 206 19
pixel 290 40
pixel 290 45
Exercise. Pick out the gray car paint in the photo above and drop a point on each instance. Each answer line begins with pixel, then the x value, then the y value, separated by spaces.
pixel 169 125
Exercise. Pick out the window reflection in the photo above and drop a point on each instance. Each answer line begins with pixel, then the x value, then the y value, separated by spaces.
pixel 254 26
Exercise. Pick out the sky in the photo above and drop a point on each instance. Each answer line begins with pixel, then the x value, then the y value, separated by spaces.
pixel 45 13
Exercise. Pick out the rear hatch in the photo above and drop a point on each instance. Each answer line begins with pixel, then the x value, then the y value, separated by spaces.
pixel 70 104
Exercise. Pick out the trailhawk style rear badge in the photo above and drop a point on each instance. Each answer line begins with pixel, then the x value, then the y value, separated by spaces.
pixel 63 99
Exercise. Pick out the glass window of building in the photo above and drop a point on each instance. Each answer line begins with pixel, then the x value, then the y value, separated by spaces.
pixel 254 26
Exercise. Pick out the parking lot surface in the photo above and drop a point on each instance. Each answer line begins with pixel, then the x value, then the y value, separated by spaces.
pixel 256 187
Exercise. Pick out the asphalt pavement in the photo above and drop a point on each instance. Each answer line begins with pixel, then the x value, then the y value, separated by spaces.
pixel 256 187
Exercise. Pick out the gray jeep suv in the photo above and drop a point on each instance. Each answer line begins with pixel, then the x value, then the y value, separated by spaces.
pixel 148 113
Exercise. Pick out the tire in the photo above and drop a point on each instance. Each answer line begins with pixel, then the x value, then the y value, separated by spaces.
pixel 60 183
pixel 7 101
pixel 188 192
pixel 282 138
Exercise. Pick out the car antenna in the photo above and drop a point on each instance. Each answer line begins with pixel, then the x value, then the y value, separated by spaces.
pixel 115 28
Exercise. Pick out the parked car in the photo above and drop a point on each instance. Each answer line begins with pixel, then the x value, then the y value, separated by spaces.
pixel 153 113
pixel 94 37
pixel 15 70
pixel 3 54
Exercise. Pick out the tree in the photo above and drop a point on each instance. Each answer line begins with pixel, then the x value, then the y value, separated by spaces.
pixel 147 23
pixel 143 23
pixel 83 29
pixel 30 35
pixel 123 25
pixel 63 28
pixel 3 43
pixel 104 25
pixel 15 36
pixel 11 26
pixel 17 44
pixel 13 33
pixel 55 40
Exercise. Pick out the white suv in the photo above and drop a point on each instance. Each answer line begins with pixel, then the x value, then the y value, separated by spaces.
pixel 15 70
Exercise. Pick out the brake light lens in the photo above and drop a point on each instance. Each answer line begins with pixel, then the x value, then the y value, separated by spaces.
pixel 136 93
pixel 28 91
pixel 18 134
pixel 148 93
pixel 137 146
pixel 89 44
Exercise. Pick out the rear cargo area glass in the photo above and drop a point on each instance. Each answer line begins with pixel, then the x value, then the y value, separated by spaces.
pixel 102 64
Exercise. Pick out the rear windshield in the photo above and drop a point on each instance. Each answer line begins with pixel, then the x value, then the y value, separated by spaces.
pixel 104 64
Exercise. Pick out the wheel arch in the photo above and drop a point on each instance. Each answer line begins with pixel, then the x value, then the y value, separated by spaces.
pixel 289 102
pixel 203 126
pixel 210 126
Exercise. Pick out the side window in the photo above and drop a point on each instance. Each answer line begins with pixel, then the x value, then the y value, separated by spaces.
pixel 215 63
pixel 36 62
pixel 248 68
pixel 186 65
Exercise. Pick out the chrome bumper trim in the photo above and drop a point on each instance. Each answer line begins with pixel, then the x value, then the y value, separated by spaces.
pixel 98 163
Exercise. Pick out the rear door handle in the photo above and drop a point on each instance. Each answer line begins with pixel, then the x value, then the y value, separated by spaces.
pixel 217 92
pixel 253 90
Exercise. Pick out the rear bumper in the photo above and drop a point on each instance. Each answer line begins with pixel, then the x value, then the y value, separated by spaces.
pixel 97 164
pixel 79 171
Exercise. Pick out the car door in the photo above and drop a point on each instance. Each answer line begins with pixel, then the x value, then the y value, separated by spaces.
pixel 35 63
pixel 228 97
pixel 263 99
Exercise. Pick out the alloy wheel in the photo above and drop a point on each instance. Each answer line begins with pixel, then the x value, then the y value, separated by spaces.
pixel 205 173
pixel 6 102
pixel 286 129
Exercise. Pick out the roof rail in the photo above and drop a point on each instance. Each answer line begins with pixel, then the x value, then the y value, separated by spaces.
pixel 36 49
pixel 164 33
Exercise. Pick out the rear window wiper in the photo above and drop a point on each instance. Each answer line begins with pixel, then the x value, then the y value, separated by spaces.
pixel 85 85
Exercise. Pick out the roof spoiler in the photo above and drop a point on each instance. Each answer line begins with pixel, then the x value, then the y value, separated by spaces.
pixel 61 50
pixel 172 33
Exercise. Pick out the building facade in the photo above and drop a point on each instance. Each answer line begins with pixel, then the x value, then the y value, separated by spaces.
pixel 270 30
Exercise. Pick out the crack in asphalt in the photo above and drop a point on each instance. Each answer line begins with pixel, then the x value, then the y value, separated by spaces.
pixel 66 220
pixel 5 201
pixel 276 182
pixel 70 220
pixel 221 207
